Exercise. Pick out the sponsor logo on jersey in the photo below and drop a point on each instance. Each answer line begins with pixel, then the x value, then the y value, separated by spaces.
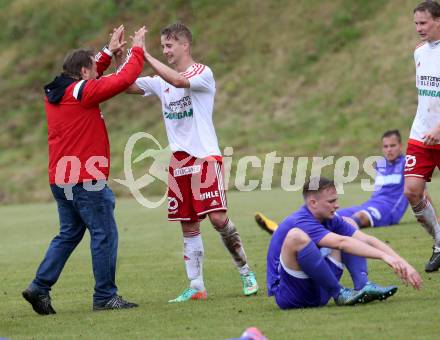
pixel 429 93
pixel 375 213
pixel 428 80
pixel 214 203
pixel 388 179
pixel 173 204
pixel 178 115
pixel 410 162
pixel 209 194
pixel 180 109
pixel 187 170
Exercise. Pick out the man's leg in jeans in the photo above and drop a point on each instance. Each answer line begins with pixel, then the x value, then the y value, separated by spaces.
pixel 71 233
pixel 96 209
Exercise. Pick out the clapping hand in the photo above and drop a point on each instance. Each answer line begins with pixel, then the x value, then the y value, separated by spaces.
pixel 117 41
pixel 138 40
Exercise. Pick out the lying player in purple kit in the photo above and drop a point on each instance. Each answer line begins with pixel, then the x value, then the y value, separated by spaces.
pixel 309 248
pixel 387 204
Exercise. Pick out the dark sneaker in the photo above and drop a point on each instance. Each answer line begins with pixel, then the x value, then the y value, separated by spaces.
pixel 40 302
pixel 434 262
pixel 375 292
pixel 349 297
pixel 116 302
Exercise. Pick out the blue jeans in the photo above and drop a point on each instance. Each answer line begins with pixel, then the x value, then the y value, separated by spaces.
pixel 87 209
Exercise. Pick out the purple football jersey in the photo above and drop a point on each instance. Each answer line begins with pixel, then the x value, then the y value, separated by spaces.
pixel 389 185
pixel 304 220
pixel 387 204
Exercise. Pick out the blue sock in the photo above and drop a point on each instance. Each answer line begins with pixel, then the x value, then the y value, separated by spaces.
pixel 357 266
pixel 314 265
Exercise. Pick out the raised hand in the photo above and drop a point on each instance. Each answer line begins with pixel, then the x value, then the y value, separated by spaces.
pixel 138 40
pixel 117 40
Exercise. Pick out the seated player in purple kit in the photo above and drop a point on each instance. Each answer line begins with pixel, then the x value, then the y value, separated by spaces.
pixel 308 250
pixel 387 204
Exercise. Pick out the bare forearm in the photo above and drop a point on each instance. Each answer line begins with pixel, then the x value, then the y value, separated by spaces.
pixel 353 246
pixel 374 242
pixel 364 245
pixel 165 72
pixel 134 89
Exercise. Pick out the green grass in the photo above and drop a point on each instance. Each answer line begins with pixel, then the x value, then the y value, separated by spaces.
pixel 301 77
pixel 151 271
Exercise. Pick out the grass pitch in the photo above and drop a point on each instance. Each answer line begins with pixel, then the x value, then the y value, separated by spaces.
pixel 151 271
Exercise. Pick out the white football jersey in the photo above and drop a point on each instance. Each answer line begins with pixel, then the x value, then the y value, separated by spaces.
pixel 187 112
pixel 427 62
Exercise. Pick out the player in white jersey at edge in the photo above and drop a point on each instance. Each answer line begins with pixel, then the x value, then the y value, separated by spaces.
pixel 423 153
pixel 195 181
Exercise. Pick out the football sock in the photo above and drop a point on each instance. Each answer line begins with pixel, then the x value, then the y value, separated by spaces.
pixel 193 255
pixel 357 266
pixel 232 241
pixel 244 270
pixel 314 265
pixel 425 214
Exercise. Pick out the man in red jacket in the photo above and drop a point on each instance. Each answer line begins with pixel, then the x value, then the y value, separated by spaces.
pixel 79 162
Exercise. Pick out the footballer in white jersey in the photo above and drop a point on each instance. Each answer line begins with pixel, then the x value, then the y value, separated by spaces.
pixel 195 182
pixel 426 58
pixel 187 112
pixel 423 152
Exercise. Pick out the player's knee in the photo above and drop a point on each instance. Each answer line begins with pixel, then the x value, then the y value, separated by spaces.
pixel 297 239
pixel 190 229
pixel 350 221
pixel 218 219
pixel 413 195
pixel 362 219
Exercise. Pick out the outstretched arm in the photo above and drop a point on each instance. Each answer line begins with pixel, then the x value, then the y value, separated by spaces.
pixel 96 91
pixel 408 273
pixel 368 246
pixel 134 89
pixel 351 245
pixel 375 243
pixel 167 73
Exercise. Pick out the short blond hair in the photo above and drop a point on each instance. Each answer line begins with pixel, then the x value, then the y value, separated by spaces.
pixel 177 31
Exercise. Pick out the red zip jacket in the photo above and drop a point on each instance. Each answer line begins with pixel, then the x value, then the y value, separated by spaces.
pixel 79 148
